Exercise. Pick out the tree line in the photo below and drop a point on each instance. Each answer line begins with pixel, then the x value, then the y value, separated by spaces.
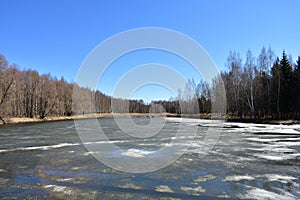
pixel 26 93
pixel 264 87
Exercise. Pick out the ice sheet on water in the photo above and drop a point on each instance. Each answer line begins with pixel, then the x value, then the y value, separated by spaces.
pixel 264 128
pixel 196 122
pixel 257 193
pixel 275 149
pixel 240 127
pixel 61 145
pixel 277 157
pixel 39 147
pixel 281 178
pixel 259 139
pixel 288 143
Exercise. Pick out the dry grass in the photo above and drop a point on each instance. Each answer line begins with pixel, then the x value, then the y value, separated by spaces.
pixel 14 120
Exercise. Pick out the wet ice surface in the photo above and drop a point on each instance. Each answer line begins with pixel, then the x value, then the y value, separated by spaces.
pixel 249 161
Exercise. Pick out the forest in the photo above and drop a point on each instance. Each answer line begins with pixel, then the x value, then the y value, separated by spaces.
pixel 26 93
pixel 266 87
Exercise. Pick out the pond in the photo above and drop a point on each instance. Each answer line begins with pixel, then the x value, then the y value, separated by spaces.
pixel 247 161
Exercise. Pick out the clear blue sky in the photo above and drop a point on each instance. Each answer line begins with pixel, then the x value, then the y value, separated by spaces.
pixel 56 35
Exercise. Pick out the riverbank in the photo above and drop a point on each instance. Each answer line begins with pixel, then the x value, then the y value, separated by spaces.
pixel 15 120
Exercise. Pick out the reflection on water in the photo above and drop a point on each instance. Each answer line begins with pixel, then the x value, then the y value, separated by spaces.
pixel 48 161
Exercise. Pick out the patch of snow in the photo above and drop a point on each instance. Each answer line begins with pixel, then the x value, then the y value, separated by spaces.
pixel 64 179
pixel 280 178
pixel 91 153
pixel 78 168
pixel 257 193
pixel 167 144
pixel 174 119
pixel 205 178
pixel 280 150
pixel 50 147
pixel 137 153
pixel 245 159
pixel 271 139
pixel 57 188
pixel 288 143
pixel 105 142
pixel 278 157
pixel 264 128
pixel 240 127
pixel 195 122
pixel 193 190
pixel 274 148
pixel 238 178
pixel 163 188
pixel 43 148
pixel 224 196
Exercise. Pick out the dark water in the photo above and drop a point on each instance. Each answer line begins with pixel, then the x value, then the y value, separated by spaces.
pixel 48 161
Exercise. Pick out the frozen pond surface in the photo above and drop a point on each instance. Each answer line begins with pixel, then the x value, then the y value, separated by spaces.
pixel 249 161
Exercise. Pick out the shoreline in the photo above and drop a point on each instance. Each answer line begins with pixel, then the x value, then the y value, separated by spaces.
pixel 264 121
pixel 19 120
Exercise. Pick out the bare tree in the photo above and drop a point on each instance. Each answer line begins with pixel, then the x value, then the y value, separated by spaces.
pixel 249 86
pixel 233 85
pixel 6 81
pixel 265 62
pixel 47 96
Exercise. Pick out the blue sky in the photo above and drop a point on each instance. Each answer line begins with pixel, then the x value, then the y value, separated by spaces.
pixel 56 36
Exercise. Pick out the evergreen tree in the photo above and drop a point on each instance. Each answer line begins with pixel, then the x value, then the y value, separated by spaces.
pixel 276 80
pixel 297 87
pixel 286 93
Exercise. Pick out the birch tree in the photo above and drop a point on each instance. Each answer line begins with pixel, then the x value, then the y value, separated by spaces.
pixel 249 88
